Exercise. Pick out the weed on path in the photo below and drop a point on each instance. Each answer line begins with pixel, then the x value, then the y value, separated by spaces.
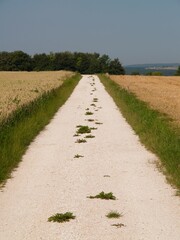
pixel 61 217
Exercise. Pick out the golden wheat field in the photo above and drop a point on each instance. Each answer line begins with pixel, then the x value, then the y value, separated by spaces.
pixel 161 93
pixel 19 88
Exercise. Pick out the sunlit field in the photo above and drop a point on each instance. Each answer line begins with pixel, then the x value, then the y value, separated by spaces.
pixel 19 88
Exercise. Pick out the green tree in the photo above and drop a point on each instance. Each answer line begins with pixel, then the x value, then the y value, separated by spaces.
pixel 116 68
pixel 104 61
pixel 42 62
pixel 15 61
pixel 178 72
pixel 154 74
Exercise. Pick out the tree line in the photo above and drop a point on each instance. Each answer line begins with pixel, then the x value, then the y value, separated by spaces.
pixel 85 63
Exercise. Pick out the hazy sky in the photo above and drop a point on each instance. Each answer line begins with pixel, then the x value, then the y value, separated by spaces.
pixel 135 31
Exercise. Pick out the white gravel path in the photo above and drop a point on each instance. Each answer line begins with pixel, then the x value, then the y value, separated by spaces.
pixel 51 180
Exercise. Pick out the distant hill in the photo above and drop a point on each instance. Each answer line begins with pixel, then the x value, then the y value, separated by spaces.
pixel 167 69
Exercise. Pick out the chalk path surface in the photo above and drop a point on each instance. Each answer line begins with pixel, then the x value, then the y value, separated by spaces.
pixel 50 180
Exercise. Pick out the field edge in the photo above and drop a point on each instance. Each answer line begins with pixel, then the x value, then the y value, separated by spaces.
pixel 19 130
pixel 153 128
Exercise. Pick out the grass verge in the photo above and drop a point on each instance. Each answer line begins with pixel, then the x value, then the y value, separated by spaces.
pixel 154 128
pixel 18 131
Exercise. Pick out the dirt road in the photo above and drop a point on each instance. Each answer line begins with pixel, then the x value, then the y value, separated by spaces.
pixel 50 180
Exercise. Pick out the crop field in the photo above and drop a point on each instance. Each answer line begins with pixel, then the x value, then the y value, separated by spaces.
pixel 20 88
pixel 161 93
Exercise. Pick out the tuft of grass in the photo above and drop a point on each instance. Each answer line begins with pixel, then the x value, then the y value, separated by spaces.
pixel 87 109
pixel 78 126
pixel 118 225
pixel 90 136
pixel 93 128
pixel 83 130
pixel 81 141
pixel 95 99
pixel 154 128
pixel 107 176
pixel 102 195
pixel 90 120
pixel 19 130
pixel 88 113
pixel 114 214
pixel 76 135
pixel 93 105
pixel 78 156
pixel 61 217
pixel 98 123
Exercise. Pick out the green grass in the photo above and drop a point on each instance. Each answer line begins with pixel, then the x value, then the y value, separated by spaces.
pixel 93 105
pixel 90 136
pixel 118 225
pixel 78 126
pixel 90 120
pixel 105 196
pixel 61 217
pixel 155 129
pixel 88 113
pixel 83 130
pixel 76 135
pixel 95 99
pixel 81 141
pixel 98 123
pixel 78 156
pixel 22 126
pixel 93 128
pixel 114 214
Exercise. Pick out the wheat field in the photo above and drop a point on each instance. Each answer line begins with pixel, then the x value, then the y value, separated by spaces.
pixel 20 88
pixel 161 93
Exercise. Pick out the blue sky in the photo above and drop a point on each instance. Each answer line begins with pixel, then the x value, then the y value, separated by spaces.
pixel 135 31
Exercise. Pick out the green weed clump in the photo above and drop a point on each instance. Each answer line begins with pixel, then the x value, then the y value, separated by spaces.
pixel 98 123
pixel 90 136
pixel 93 128
pixel 95 99
pixel 81 141
pixel 90 120
pixel 88 113
pixel 118 225
pixel 61 217
pixel 78 156
pixel 102 195
pixel 114 214
pixel 19 130
pixel 83 130
pixel 155 129
pixel 76 135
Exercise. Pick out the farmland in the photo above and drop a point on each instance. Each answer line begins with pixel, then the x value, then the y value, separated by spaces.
pixel 20 88
pixel 71 185
pixel 28 111
pixel 161 93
